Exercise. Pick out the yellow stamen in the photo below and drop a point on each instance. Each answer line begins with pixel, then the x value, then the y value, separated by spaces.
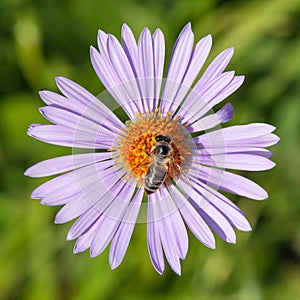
pixel 135 146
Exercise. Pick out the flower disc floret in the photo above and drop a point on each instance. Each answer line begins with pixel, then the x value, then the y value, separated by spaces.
pixel 136 145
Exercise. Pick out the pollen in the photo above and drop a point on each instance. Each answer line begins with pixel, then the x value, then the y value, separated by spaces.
pixel 136 144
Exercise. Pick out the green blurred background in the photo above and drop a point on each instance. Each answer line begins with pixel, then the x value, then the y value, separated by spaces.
pixel 43 39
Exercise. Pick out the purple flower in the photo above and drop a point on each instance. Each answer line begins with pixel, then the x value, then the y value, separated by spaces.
pixel 169 158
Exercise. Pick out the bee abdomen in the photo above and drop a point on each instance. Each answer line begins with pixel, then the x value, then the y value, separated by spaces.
pixel 154 178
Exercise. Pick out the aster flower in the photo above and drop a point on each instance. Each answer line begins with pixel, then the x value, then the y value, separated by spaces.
pixel 170 155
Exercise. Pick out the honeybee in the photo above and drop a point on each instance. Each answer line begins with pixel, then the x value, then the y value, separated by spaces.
pixel 162 165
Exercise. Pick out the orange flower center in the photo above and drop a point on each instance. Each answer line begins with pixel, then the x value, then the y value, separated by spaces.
pixel 136 146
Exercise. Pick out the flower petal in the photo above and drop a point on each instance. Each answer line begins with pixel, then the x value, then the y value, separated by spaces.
pixel 214 69
pixel 251 135
pixel 110 220
pixel 87 104
pixel 234 84
pixel 130 47
pixel 159 58
pixel 72 209
pixel 111 81
pixel 208 212
pixel 153 240
pixel 74 121
pixel 63 136
pixel 84 241
pixel 175 224
pixel 235 216
pixel 102 38
pixel 89 196
pixel 224 115
pixel 167 233
pixel 122 68
pixel 123 235
pixel 199 102
pixel 76 181
pixel 180 59
pixel 98 207
pixel 193 220
pixel 229 182
pixel 237 161
pixel 171 255
pixel 198 59
pixel 146 68
pixel 65 163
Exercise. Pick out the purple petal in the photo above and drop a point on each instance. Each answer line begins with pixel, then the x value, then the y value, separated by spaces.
pixel 74 121
pixel 193 220
pixel 237 161
pixel 241 131
pixel 65 163
pixel 111 81
pixel 122 68
pixel 229 182
pixel 175 224
pixel 119 61
pixel 215 144
pixel 214 69
pixel 199 104
pixel 111 188
pixel 102 38
pixel 123 235
pixel 103 236
pixel 170 252
pixel 72 210
pixel 110 220
pixel 165 229
pixel 205 153
pixel 63 183
pixel 218 223
pixel 266 140
pixel 51 98
pixel 235 83
pixel 83 223
pixel 77 181
pixel 159 58
pixel 225 206
pixel 145 55
pixel 50 201
pixel 224 115
pixel 84 241
pixel 88 198
pixel 87 104
pixel 181 55
pixel 198 59
pixel 146 68
pixel 251 135
pixel 63 136
pixel 208 212
pixel 130 47
pixel 153 241
pixel 180 59
pixel 98 207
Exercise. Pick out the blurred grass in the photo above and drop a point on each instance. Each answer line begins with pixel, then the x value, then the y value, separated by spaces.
pixel 43 39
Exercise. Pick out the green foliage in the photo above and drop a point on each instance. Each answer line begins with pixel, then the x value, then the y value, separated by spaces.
pixel 43 39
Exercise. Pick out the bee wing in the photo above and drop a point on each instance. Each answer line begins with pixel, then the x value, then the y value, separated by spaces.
pixel 175 171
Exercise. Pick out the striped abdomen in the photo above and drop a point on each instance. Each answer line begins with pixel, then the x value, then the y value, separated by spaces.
pixel 155 176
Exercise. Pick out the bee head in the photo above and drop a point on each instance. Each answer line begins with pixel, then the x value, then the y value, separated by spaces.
pixel 162 150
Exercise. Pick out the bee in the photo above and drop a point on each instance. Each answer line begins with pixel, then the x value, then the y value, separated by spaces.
pixel 162 164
